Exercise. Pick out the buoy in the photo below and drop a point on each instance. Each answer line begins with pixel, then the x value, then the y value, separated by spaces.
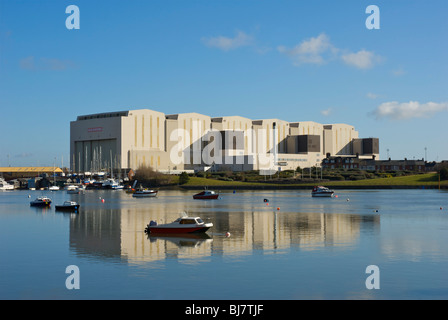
pixel 278 208
pixel 441 208
pixel 227 234
pixel 336 196
pixel 267 203
pixel 348 199
pixel 102 200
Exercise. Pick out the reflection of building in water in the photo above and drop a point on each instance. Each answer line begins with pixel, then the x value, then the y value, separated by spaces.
pixel 120 234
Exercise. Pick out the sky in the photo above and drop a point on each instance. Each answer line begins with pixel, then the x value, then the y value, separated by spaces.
pixel 286 59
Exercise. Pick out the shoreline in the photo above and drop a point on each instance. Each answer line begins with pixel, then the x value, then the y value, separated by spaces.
pixel 298 187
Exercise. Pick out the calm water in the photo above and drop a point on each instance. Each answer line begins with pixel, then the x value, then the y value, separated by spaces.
pixel 297 247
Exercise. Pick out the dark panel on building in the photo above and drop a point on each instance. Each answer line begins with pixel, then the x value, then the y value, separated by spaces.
pixel 308 143
pixel 370 146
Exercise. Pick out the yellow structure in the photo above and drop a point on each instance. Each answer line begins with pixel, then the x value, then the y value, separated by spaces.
pixel 26 172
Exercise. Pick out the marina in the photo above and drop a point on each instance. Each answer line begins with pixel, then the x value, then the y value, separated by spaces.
pixel 267 244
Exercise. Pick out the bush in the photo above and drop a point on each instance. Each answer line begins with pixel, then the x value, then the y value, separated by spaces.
pixel 444 174
pixel 184 178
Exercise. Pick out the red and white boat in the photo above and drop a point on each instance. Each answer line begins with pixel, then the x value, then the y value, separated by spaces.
pixel 181 225
pixel 206 195
pixel 319 191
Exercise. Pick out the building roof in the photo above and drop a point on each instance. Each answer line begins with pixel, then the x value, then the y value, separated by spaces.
pixel 30 169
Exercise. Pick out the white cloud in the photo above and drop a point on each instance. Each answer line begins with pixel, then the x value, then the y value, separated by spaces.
pixel 362 59
pixel 310 50
pixel 224 43
pixel 398 72
pixel 319 50
pixel 326 112
pixel 407 110
pixel 371 95
pixel 30 64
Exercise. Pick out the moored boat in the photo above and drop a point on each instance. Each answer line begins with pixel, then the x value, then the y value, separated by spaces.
pixel 145 193
pixel 68 206
pixel 41 202
pixel 73 189
pixel 5 185
pixel 183 224
pixel 206 195
pixel 320 191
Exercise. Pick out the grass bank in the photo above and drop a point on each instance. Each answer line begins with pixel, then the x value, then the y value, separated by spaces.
pixel 428 180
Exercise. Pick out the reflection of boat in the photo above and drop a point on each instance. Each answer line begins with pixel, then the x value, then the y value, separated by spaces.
pixel 183 240
pixel 319 191
pixel 206 195
pixel 68 206
pixel 5 185
pixel 144 193
pixel 181 225
pixel 41 202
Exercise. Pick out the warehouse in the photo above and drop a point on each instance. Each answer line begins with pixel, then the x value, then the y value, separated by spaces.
pixel 188 142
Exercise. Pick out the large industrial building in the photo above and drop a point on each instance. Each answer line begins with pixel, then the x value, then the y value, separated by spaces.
pixel 195 142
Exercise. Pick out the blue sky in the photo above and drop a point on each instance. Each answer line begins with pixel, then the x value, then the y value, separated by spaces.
pixel 291 60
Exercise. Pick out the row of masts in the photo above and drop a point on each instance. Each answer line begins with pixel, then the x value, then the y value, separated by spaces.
pixel 96 163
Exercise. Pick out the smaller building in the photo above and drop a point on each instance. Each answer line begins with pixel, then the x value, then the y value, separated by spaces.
pixel 28 172
pixel 356 162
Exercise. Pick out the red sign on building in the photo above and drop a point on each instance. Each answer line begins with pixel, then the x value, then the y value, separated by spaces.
pixel 96 129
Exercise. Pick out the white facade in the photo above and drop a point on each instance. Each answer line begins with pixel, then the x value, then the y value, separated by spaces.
pixel 192 141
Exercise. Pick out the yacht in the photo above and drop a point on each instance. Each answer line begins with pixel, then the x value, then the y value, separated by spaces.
pixel 4 185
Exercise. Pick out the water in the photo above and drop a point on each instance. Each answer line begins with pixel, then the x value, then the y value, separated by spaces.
pixel 292 247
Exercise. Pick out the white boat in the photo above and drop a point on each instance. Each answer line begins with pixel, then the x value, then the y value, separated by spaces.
pixel 53 188
pixel 145 193
pixel 68 206
pixel 4 185
pixel 183 224
pixel 73 189
pixel 112 184
pixel 319 191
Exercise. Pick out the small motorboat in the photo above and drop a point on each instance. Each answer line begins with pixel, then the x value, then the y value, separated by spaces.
pixel 53 188
pixel 68 206
pixel 183 224
pixel 319 191
pixel 145 193
pixel 206 195
pixel 41 202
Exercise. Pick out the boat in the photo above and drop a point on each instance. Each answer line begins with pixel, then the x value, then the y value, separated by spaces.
pixel 5 185
pixel 206 195
pixel 68 206
pixel 145 193
pixel 41 202
pixel 184 224
pixel 53 188
pixel 320 191
pixel 72 189
pixel 110 184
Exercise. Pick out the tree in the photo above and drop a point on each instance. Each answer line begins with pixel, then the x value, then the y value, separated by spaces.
pixel 184 178
pixel 444 173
